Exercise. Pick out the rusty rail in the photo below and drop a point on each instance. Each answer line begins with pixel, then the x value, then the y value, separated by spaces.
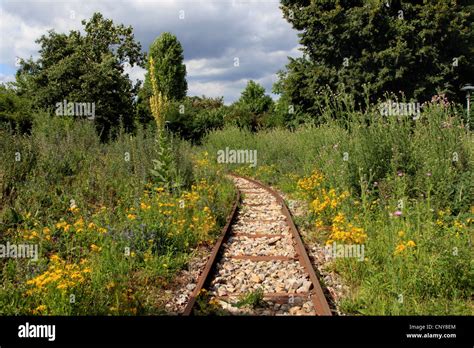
pixel 316 294
pixel 205 275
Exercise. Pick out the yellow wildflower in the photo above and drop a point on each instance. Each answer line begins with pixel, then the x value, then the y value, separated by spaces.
pixel 95 248
pixel 144 206
pixel 40 309
pixel 74 209
pixel 61 224
pixel 399 249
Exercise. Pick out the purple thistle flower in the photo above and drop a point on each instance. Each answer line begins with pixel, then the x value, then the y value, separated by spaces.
pixel 397 213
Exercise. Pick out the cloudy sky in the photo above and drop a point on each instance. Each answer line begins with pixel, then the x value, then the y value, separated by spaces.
pixel 213 34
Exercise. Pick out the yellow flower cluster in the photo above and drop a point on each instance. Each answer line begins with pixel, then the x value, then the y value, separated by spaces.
pixel 202 162
pixel 31 234
pixel 95 248
pixel 323 202
pixel 445 220
pixel 344 232
pixel 74 209
pixel 310 184
pixel 79 226
pixel 191 197
pixel 206 223
pixel 60 275
pixel 44 233
pixel 63 225
pixel 265 170
pixel 328 200
pixel 145 206
pixel 182 216
pixel 403 245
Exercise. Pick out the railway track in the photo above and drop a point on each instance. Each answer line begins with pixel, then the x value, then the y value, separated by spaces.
pixel 260 252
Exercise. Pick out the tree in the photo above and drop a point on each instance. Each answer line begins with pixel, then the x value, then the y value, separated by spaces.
pixel 85 68
pixel 252 109
pixel 170 73
pixel 373 47
pixel 15 111
pixel 254 99
pixel 193 117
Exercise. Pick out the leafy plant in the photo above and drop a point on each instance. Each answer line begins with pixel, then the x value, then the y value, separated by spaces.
pixel 253 299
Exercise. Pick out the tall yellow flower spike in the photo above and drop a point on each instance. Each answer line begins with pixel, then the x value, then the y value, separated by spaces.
pixel 157 100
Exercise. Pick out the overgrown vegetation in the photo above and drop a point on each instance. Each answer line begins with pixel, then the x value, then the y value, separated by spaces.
pixel 119 203
pixel 108 235
pixel 402 188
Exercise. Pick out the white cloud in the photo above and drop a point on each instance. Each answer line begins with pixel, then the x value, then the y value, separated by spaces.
pixel 17 38
pixel 230 90
pixel 134 73
pixel 6 78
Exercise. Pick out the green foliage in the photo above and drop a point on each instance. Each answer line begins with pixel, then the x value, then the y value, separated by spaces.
pixel 253 108
pixel 163 163
pixel 285 114
pixel 85 68
pixel 253 98
pixel 170 73
pixel 368 48
pixel 15 111
pixel 193 117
